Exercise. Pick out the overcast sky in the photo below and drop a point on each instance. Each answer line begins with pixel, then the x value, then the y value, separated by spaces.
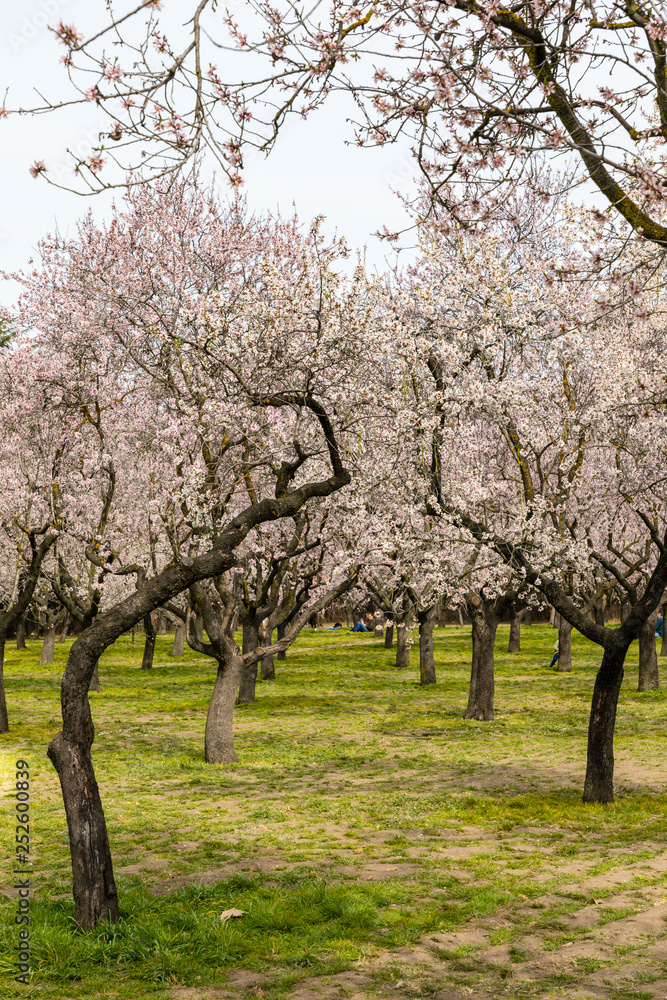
pixel 311 167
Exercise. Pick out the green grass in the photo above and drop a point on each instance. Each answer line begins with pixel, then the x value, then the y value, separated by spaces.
pixel 366 827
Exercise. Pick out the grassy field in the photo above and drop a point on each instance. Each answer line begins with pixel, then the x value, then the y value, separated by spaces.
pixel 378 844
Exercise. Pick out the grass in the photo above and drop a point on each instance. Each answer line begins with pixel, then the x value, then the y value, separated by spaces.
pixel 378 843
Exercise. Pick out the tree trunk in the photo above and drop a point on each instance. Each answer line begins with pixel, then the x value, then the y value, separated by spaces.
pixel 199 627
pixel 599 783
pixel 378 625
pixel 20 633
pixel 402 646
pixel 481 692
pixel 161 624
pixel 48 646
pixel 426 660
pixel 442 614
pixel 460 617
pixel 625 610
pixel 514 644
pixel 64 631
pixel 564 663
pixel 4 718
pixel 552 617
pixel 95 895
pixel 598 612
pixel 249 673
pixel 648 658
pixel 349 617
pixel 280 634
pixel 389 637
pixel 179 640
pixel 95 679
pixel 219 738
pixel 268 667
pixel 149 644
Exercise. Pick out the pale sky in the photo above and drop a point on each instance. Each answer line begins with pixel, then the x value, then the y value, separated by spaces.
pixel 311 166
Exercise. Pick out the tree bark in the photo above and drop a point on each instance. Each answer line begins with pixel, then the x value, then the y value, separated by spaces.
pixel 20 633
pixel 482 683
pixel 564 663
pixel 378 625
pixel 389 637
pixel 48 646
pixel 649 679
pixel 599 783
pixel 281 629
pixel 4 718
pixel 426 659
pixel 402 647
pixel 219 738
pixel 598 612
pixel 149 644
pixel 249 673
pixel 95 894
pixel 268 666
pixel 64 631
pixel 179 640
pixel 95 679
pixel 514 644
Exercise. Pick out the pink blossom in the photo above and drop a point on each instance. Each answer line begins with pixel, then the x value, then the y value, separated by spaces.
pixel 68 35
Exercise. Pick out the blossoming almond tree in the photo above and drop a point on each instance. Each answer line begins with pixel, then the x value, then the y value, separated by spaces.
pixel 234 335
pixel 480 88
pixel 543 430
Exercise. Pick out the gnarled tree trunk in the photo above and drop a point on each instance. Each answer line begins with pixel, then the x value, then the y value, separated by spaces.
pixel 482 683
pixel 402 646
pixel 178 647
pixel 249 673
pixel 426 659
pixel 514 644
pixel 95 895
pixel 219 738
pixel 280 634
pixel 95 679
pixel 48 646
pixel 149 644
pixel 389 637
pixel 649 679
pixel 564 662
pixel 4 718
pixel 598 612
pixel 268 666
pixel 20 633
pixel 599 783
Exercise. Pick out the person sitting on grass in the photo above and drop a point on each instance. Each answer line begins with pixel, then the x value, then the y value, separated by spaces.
pixel 334 628
pixel 360 627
